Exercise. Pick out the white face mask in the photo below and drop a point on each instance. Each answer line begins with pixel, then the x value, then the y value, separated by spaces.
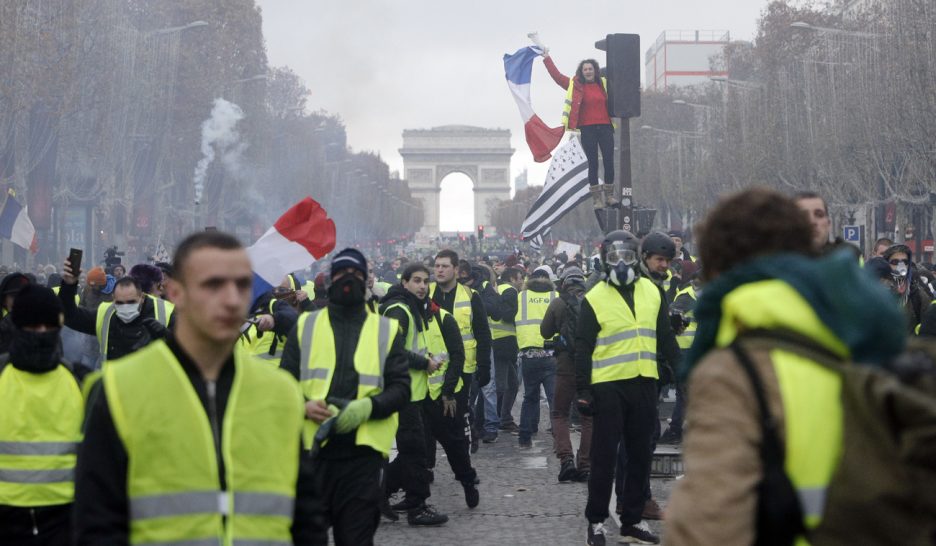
pixel 127 312
pixel 902 270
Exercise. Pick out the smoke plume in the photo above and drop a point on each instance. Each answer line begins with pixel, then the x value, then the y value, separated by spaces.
pixel 219 135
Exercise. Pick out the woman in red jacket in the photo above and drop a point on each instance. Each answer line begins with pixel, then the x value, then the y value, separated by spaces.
pixel 586 110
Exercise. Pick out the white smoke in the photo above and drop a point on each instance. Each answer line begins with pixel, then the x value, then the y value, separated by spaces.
pixel 219 131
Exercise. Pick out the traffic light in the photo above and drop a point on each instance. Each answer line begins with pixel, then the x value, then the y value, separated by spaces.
pixel 623 72
pixel 480 232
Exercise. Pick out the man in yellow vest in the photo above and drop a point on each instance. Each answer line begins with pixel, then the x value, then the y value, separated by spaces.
pixel 186 441
pixel 623 326
pixel 273 315
pixel 504 345
pixel 127 324
pixel 407 303
pixel 352 367
pixel 537 360
pixel 41 405
pixel 657 252
pixel 685 326
pixel 466 305
pixel 773 311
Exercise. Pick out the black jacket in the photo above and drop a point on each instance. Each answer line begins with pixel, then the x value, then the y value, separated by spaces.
pixel 668 352
pixel 346 323
pixel 124 337
pixel 101 500
pixel 398 294
pixel 479 324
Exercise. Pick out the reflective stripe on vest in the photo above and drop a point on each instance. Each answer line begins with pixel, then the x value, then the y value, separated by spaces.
pixel 435 344
pixel 499 328
pixel 626 346
pixel 172 482
pixel 686 338
pixel 532 308
pixel 318 356
pixel 813 426
pixel 415 342
pixel 160 310
pixel 105 313
pixel 461 310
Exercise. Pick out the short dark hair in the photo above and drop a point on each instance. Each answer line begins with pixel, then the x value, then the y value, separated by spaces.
pixel 198 241
pixel 510 273
pixel 807 194
pixel 129 281
pixel 464 266
pixel 752 223
pixel 414 268
pixel 450 254
pixel 883 241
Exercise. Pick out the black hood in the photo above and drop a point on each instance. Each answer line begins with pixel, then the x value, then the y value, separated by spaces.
pixel 398 294
pixel 540 284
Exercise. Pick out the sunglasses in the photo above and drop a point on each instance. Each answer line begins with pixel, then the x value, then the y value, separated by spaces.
pixel 898 262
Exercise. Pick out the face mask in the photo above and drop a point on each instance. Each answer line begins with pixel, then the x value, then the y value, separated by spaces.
pixel 127 312
pixel 623 274
pixel 36 352
pixel 902 270
pixel 347 291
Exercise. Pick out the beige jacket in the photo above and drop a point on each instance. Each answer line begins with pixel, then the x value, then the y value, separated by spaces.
pixel 716 502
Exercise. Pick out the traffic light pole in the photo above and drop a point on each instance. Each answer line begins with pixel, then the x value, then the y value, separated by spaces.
pixel 624 189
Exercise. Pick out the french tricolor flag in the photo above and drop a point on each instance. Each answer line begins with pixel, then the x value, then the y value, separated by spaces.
pixel 15 224
pixel 300 237
pixel 541 138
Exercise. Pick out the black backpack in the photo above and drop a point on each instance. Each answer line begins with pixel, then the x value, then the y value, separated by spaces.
pixel 570 325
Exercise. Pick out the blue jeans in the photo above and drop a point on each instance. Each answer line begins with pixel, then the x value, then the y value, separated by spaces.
pixel 536 372
pixel 484 404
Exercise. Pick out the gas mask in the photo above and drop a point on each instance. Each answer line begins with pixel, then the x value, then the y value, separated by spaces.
pixel 127 312
pixel 621 264
pixel 901 269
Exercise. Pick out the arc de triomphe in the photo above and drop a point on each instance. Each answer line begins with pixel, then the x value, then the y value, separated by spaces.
pixel 429 155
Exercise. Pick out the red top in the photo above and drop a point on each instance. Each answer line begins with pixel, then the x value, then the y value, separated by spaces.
pixel 594 101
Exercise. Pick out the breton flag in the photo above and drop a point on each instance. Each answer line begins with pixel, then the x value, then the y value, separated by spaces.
pixel 541 138
pixel 566 186
pixel 536 243
pixel 300 237
pixel 15 224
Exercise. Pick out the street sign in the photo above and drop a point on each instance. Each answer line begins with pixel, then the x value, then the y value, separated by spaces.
pixel 852 234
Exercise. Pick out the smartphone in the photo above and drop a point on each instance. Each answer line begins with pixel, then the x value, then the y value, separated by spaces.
pixel 74 258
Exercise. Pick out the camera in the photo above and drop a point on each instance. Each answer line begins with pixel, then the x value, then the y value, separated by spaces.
pixel 112 257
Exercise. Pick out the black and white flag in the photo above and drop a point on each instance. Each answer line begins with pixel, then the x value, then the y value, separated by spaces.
pixel 566 186
pixel 536 243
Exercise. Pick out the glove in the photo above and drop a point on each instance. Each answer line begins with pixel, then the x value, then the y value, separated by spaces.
pixel 354 415
pixel 484 376
pixel 449 407
pixel 585 404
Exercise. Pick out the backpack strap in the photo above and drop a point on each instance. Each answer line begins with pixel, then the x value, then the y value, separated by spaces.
pixel 771 449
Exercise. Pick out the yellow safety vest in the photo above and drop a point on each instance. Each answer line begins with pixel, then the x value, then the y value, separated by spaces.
pixel 57 289
pixel 686 338
pixel 264 347
pixel 172 480
pixel 531 308
pixel 106 311
pixel 811 393
pixel 567 107
pixel 435 344
pixel 499 328
pixel 463 316
pixel 309 289
pixel 317 356
pixel 415 342
pixel 668 282
pixel 626 346
pixel 39 435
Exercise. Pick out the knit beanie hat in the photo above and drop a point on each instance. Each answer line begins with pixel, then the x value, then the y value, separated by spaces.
pixel 97 277
pixel 349 257
pixel 36 305
pixel 572 274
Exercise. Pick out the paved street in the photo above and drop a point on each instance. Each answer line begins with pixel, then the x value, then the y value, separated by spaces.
pixel 521 500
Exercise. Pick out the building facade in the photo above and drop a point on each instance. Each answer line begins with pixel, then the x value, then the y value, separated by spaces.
pixel 682 58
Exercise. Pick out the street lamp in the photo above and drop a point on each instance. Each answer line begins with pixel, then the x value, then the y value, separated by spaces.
pixel 681 102
pixel 170 30
pixel 251 79
pixel 737 83
pixel 806 26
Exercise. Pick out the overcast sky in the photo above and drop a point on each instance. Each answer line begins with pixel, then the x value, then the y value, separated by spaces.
pixel 389 65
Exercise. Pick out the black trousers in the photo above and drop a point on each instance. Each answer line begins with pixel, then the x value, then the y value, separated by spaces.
pixel 506 376
pixel 593 138
pixel 452 433
pixel 38 526
pixel 621 471
pixel 345 494
pixel 625 412
pixel 409 470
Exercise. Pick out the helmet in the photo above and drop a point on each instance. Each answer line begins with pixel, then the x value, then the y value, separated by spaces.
pixel 658 244
pixel 619 257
